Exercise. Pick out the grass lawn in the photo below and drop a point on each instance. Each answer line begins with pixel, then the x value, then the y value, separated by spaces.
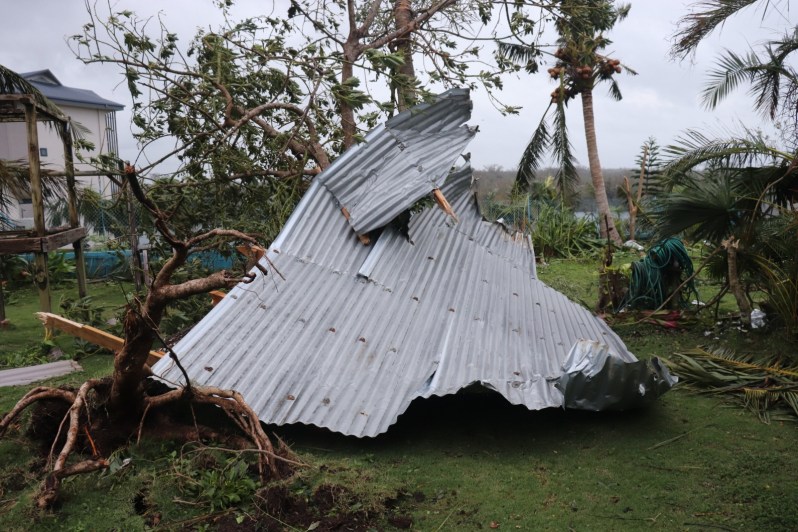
pixel 468 462
pixel 21 341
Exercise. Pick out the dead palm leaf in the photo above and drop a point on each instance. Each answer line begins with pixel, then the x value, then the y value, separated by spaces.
pixel 763 384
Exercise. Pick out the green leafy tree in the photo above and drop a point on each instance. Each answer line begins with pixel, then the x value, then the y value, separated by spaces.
pixel 390 39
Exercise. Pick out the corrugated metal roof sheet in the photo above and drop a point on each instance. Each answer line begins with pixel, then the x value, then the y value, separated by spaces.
pixel 356 333
pixel 29 374
pixel 415 149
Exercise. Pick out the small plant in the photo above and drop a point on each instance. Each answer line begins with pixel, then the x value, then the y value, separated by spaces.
pixel 59 269
pixel 13 270
pixel 219 486
pixel 29 356
pixel 558 232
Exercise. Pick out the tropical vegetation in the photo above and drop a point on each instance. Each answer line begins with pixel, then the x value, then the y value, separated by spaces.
pixel 258 108
pixel 580 65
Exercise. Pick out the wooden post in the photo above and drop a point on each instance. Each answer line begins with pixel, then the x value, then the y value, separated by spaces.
pixel 41 276
pixel 74 221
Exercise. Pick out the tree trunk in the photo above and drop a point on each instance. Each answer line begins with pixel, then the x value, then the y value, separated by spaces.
pixel 602 203
pixel 406 92
pixel 348 126
pixel 730 244
pixel 129 364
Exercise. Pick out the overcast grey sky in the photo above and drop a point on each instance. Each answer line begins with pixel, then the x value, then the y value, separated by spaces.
pixel 662 101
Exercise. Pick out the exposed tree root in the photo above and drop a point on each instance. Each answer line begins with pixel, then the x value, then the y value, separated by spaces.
pixel 36 394
pixel 80 423
pixel 237 409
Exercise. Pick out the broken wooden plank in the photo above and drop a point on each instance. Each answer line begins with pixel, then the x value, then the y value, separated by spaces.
pixel 216 296
pixel 90 334
pixel 443 203
pixel 364 239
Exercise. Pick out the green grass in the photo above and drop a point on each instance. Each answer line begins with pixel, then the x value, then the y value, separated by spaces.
pixel 689 462
pixel 22 339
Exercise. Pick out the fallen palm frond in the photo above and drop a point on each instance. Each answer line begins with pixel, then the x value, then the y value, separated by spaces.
pixel 762 384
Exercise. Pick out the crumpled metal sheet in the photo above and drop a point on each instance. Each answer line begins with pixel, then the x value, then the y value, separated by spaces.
pixel 355 333
pixel 401 162
pixel 596 379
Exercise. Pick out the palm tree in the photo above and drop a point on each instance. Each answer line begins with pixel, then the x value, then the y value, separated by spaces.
pixel 736 193
pixel 747 180
pixel 578 69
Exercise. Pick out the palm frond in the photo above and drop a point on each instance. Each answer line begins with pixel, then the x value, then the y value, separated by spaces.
pixel 762 383
pixel 15 183
pixel 13 83
pixel 710 208
pixel 731 70
pixel 615 91
pixel 520 53
pixel 694 148
pixel 781 287
pixel 567 178
pixel 534 152
pixel 767 84
pixel 702 21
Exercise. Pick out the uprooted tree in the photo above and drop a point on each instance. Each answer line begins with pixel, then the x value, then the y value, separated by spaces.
pixel 253 111
pixel 121 401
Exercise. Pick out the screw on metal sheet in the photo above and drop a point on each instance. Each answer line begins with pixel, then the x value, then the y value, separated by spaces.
pixel 232 296
pixel 331 329
pixel 430 258
pixel 451 309
pixel 208 368
pixel 325 401
pixel 414 298
pixel 361 339
pixel 515 294
pixel 289 397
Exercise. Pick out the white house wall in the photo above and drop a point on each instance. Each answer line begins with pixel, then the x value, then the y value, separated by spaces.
pixel 14 146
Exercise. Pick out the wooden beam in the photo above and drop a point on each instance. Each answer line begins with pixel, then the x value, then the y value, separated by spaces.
pixel 62 238
pixel 34 244
pixel 90 334
pixel 443 204
pixel 216 296
pixel 364 239
pixel 20 245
